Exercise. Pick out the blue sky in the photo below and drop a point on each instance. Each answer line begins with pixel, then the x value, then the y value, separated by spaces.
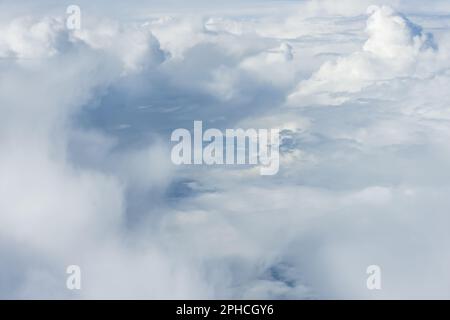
pixel 358 88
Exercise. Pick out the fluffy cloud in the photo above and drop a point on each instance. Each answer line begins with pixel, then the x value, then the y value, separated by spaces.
pixel 85 123
pixel 395 47
pixel 28 38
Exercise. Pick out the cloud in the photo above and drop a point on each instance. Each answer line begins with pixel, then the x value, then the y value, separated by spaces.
pixel 85 123
pixel 394 48
pixel 134 45
pixel 48 202
pixel 28 38
pixel 393 36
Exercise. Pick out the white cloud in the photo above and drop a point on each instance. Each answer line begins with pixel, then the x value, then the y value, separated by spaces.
pixel 394 48
pixel 28 38
pixel 87 178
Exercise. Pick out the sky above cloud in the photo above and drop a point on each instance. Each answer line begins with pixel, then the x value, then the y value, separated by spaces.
pixel 358 88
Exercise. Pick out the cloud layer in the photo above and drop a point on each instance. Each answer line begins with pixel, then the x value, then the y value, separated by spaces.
pixel 359 92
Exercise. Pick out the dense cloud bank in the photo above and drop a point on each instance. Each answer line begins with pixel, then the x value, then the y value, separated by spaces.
pixel 358 90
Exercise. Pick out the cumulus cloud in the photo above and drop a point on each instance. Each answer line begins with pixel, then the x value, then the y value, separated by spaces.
pixel 394 48
pixel 86 117
pixel 392 35
pixel 28 38
pixel 134 45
